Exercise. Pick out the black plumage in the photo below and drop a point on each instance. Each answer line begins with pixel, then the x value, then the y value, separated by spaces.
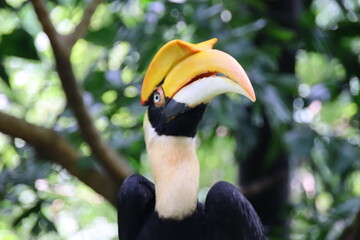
pixel 184 124
pixel 226 215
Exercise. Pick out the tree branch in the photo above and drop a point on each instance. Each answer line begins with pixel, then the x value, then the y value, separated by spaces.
pixel 52 146
pixel 44 18
pixel 114 164
pixel 82 27
pixel 353 231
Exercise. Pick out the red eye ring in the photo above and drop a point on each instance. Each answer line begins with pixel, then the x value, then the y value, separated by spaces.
pixel 159 97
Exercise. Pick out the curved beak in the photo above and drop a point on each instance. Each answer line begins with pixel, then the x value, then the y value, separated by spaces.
pixel 195 79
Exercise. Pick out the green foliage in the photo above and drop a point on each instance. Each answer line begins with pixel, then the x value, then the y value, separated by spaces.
pixel 19 37
pixel 3 74
pixel 314 113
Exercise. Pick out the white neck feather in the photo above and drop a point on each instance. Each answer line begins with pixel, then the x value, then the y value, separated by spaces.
pixel 176 173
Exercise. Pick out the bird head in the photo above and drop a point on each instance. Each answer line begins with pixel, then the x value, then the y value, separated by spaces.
pixel 182 79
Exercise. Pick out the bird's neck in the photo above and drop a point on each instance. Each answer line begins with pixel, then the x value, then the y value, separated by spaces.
pixel 176 173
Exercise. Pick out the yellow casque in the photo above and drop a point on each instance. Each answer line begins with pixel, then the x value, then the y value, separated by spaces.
pixel 178 62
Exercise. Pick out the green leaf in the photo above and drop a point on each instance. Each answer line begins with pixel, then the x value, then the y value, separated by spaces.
pixel 36 228
pixel 27 213
pixel 280 33
pixel 3 4
pixel 47 224
pixel 103 37
pixel 347 29
pixel 277 106
pixel 3 74
pixel 300 142
pixel 19 43
pixel 95 81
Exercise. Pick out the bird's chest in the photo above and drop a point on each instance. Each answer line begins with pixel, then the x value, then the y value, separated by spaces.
pixel 155 228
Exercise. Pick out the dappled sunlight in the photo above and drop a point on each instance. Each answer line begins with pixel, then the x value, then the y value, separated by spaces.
pixel 304 124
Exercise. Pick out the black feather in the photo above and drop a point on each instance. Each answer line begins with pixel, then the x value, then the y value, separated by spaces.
pixel 230 216
pixel 227 215
pixel 136 202
pixel 184 124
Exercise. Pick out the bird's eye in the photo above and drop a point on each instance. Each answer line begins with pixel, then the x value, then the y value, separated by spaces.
pixel 159 98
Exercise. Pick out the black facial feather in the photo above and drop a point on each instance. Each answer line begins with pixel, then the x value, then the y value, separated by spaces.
pixel 185 124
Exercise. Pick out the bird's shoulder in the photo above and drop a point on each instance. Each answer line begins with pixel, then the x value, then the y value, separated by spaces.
pixel 136 186
pixel 136 201
pixel 229 215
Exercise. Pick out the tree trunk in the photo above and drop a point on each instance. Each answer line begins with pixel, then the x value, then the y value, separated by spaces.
pixel 264 172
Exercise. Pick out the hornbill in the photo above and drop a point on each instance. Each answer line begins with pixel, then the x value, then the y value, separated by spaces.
pixel 180 82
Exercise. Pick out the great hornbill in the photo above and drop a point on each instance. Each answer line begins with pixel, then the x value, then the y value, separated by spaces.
pixel 181 80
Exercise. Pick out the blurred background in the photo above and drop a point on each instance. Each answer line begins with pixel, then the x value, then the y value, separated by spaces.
pixel 294 152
